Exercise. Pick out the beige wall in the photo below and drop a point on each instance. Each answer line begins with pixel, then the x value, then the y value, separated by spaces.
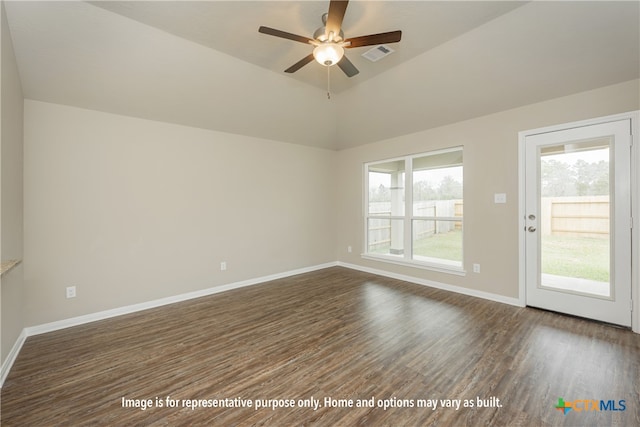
pixel 491 166
pixel 130 210
pixel 11 193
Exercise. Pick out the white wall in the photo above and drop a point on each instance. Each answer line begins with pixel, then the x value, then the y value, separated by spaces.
pixel 491 166
pixel 130 210
pixel 11 191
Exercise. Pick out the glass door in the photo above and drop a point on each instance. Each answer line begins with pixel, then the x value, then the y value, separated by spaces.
pixel 578 221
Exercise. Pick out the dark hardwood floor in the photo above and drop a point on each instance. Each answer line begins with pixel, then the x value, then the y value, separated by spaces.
pixel 334 333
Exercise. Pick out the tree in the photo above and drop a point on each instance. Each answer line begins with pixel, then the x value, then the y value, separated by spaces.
pixel 449 189
pixel 592 179
pixel 561 179
pixel 422 190
pixel 557 179
pixel 379 194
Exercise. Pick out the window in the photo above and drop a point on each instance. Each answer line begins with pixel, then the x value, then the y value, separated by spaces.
pixel 413 210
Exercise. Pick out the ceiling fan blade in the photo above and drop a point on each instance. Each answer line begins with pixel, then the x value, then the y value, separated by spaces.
pixel 349 69
pixel 304 61
pixel 283 34
pixel 375 39
pixel 337 9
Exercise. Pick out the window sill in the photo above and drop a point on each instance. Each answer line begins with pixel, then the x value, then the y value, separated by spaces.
pixel 440 268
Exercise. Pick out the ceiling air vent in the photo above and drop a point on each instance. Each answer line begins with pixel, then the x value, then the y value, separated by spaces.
pixel 378 53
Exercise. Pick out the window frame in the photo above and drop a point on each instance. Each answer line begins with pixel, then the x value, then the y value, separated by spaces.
pixel 407 258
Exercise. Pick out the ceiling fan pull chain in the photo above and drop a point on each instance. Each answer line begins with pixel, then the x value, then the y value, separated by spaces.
pixel 328 82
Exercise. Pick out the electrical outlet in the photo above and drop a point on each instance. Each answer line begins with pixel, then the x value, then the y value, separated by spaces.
pixel 476 268
pixel 71 291
pixel 349 249
pixel 223 265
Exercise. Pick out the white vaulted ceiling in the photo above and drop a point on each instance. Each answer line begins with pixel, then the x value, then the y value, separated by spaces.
pixel 204 64
pixel 232 28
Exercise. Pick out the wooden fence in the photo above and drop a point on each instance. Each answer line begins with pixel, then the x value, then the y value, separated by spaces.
pixel 586 216
pixel 379 229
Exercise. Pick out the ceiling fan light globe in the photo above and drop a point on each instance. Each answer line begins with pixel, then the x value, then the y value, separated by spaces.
pixel 328 53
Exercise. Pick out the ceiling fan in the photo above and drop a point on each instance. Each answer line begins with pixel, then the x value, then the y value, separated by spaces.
pixel 330 43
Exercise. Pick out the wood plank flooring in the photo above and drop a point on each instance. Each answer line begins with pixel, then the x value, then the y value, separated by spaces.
pixel 334 333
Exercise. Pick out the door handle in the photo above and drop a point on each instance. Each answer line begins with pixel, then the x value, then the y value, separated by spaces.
pixel 531 229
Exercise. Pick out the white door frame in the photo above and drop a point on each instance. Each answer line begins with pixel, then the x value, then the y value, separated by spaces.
pixel 634 116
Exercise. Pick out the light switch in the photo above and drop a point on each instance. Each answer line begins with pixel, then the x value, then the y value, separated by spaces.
pixel 500 198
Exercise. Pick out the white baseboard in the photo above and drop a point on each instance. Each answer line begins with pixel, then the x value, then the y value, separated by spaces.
pixel 432 284
pixel 80 320
pixel 101 315
pixel 12 356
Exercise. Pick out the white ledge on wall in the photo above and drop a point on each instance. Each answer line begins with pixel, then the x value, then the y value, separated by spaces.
pixel 5 266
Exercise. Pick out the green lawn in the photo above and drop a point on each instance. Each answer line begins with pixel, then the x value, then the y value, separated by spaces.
pixel 444 245
pixel 581 257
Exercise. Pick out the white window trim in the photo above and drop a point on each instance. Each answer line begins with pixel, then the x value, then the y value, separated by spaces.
pixel 408 218
pixel 441 268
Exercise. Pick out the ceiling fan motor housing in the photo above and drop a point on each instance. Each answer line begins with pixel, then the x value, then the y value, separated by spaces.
pixel 321 35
